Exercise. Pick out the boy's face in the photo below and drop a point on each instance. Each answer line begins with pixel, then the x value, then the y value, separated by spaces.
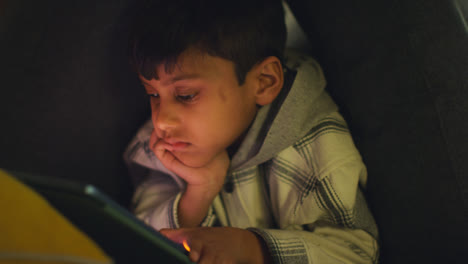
pixel 199 108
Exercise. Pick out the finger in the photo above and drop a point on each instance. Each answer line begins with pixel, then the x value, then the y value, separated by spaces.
pixel 162 151
pixel 222 260
pixel 175 235
pixel 168 159
pixel 178 236
pixel 165 232
pixel 206 258
pixel 185 235
pixel 195 250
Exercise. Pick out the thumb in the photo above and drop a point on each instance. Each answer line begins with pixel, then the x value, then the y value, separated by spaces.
pixel 169 160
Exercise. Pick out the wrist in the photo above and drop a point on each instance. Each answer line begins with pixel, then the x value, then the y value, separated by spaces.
pixel 202 192
pixel 193 207
pixel 260 248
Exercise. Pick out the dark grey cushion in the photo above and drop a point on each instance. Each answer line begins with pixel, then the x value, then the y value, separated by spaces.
pixel 399 71
pixel 69 103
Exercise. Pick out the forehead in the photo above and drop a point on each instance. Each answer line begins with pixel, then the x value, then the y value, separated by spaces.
pixel 192 64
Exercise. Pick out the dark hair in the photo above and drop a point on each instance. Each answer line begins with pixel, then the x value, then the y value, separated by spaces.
pixel 243 31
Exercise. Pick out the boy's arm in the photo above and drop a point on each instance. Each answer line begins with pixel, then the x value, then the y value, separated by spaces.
pixel 331 222
pixel 157 199
pixel 324 244
pixel 161 194
pixel 221 244
pixel 339 237
pixel 193 206
pixel 203 183
pixel 322 241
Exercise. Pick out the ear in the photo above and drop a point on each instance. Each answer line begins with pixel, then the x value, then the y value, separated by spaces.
pixel 269 80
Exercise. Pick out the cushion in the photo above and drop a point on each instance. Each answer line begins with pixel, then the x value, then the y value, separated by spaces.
pixel 69 103
pixel 398 71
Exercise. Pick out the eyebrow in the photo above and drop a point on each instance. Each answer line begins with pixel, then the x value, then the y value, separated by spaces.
pixel 183 77
pixel 176 78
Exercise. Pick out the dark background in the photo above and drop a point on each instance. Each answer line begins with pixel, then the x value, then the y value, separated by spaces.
pixel 399 71
pixel 69 104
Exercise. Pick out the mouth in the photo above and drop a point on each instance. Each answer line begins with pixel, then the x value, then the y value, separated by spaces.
pixel 176 145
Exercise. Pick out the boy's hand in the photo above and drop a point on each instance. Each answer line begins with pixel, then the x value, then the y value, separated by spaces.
pixel 220 244
pixel 203 183
pixel 211 176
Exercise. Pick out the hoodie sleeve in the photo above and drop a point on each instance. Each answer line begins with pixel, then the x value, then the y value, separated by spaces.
pixel 324 244
pixel 315 191
pixel 322 241
pixel 156 201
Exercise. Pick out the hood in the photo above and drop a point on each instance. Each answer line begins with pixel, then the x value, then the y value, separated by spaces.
pixel 301 103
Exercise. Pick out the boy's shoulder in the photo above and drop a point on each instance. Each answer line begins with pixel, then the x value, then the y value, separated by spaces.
pixel 327 144
pixel 300 106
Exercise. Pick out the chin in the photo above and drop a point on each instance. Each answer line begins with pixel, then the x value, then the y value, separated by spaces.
pixel 193 160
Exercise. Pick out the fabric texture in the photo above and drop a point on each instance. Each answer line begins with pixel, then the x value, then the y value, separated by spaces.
pixel 295 181
pixel 398 70
pixel 32 231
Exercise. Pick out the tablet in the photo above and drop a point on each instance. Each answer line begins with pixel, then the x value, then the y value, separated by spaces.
pixel 117 231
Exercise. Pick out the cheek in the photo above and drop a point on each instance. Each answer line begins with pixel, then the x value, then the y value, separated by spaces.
pixel 207 124
pixel 153 104
pixel 154 111
pixel 242 108
pixel 230 121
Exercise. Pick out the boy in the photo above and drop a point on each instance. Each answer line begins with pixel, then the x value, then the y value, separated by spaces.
pixel 244 158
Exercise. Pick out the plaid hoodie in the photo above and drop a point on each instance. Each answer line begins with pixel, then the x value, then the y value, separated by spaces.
pixel 295 181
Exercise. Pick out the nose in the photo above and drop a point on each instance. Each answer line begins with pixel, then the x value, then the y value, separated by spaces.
pixel 166 119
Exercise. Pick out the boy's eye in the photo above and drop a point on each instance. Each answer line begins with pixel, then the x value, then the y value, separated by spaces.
pixel 186 98
pixel 154 95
